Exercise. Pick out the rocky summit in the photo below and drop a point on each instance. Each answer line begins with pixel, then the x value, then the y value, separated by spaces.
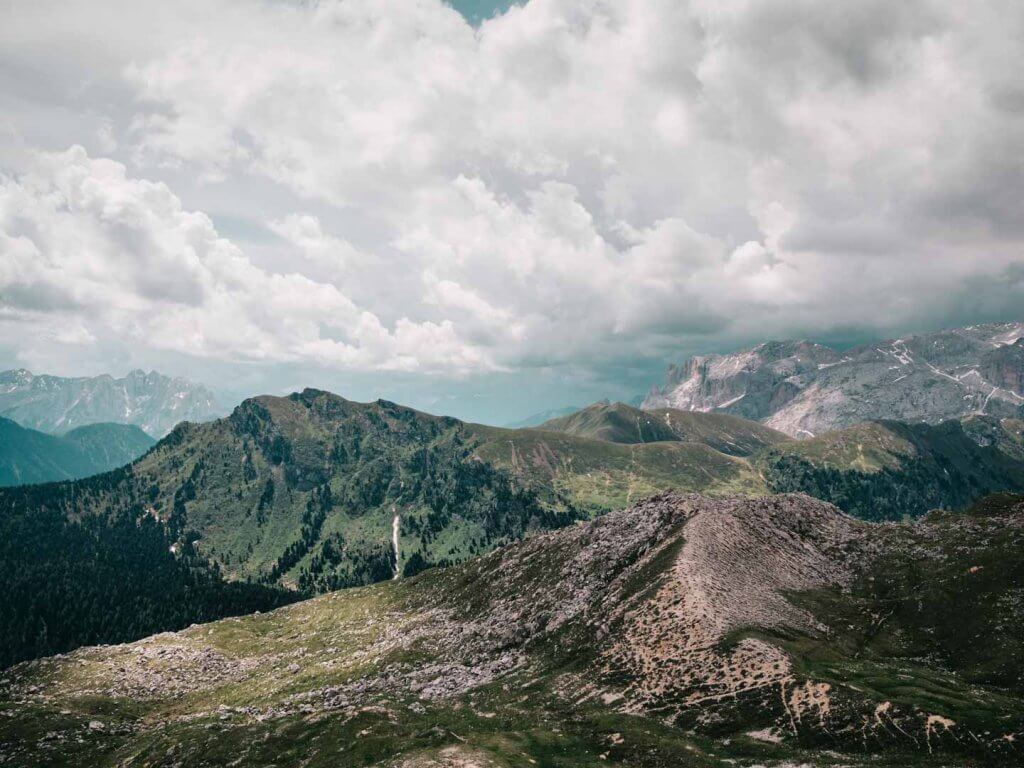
pixel 805 389
pixel 683 631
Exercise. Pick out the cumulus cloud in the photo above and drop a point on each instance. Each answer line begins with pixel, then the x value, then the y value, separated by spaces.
pixel 88 251
pixel 574 182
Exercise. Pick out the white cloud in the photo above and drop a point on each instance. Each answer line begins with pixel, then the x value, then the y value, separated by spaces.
pixel 304 232
pixel 88 251
pixel 577 181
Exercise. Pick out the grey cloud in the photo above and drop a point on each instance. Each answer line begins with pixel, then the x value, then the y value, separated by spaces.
pixel 569 190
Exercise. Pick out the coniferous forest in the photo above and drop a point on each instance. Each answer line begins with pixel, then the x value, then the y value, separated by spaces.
pixel 100 579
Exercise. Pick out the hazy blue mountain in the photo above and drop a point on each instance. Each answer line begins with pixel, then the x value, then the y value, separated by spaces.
pixel 151 401
pixel 536 419
pixel 30 456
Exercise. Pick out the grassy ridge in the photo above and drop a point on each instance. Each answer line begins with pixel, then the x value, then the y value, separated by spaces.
pixel 621 423
pixel 596 476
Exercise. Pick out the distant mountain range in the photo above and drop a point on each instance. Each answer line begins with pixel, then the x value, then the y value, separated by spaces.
pixel 536 419
pixel 804 389
pixel 30 456
pixel 150 401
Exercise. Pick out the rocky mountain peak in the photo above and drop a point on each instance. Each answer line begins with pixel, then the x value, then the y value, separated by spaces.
pixel 802 388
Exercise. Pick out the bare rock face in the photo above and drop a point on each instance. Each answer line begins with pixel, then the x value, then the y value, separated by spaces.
pixel 749 384
pixel 1004 367
pixel 738 560
pixel 803 389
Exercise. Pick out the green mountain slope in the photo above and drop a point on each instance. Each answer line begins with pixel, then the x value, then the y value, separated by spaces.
pixel 111 445
pixel 885 470
pixel 721 431
pixel 109 575
pixel 28 456
pixel 312 492
pixel 621 423
pixel 635 639
pixel 305 490
pixel 1005 434
pixel 593 476
pixel 614 422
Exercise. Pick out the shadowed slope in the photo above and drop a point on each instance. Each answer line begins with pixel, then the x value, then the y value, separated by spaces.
pixel 884 470
pixel 28 456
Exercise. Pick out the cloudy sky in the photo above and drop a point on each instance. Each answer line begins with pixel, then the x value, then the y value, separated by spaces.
pixel 502 210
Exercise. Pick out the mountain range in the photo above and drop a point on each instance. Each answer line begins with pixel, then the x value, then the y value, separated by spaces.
pixel 656 586
pixel 312 492
pixel 29 456
pixel 150 401
pixel 683 631
pixel 804 389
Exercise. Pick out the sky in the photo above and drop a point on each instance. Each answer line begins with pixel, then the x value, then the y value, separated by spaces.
pixel 487 215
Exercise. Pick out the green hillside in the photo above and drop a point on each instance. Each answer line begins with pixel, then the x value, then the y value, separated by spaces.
pixel 621 423
pixel 721 431
pixel 613 422
pixel 885 470
pixel 30 456
pixel 1005 434
pixel 81 563
pixel 305 491
pixel 593 476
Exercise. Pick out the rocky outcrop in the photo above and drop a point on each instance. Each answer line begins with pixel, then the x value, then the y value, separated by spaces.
pixel 749 384
pixel 804 389
pixel 1003 367
pixel 737 561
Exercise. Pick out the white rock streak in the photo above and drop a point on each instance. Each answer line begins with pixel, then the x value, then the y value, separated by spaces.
pixel 396 523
